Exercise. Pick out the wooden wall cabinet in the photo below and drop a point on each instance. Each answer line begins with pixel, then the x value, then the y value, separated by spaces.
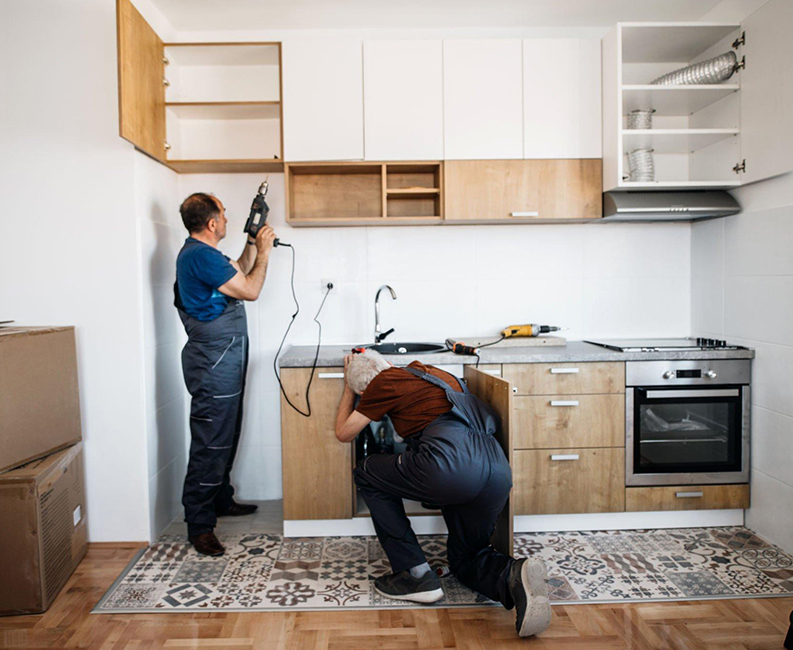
pixel 317 468
pixel 515 191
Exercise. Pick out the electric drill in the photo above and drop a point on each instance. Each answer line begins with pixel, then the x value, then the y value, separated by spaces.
pixel 528 330
pixel 259 211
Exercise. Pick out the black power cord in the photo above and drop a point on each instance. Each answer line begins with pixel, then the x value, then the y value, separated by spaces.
pixel 467 349
pixel 306 414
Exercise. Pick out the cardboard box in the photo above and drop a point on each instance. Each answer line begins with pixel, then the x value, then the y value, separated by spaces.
pixel 43 533
pixel 39 396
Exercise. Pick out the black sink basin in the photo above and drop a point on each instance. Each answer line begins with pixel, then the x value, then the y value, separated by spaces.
pixel 407 348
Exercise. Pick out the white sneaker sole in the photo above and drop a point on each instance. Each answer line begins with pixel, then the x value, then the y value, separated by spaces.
pixel 423 597
pixel 534 574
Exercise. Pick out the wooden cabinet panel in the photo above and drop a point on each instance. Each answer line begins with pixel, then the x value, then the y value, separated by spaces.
pixel 317 468
pixel 403 100
pixel 687 497
pixel 141 93
pixel 565 481
pixel 559 421
pixel 496 392
pixel 566 378
pixel 561 98
pixel 522 190
pixel 323 99
pixel 482 99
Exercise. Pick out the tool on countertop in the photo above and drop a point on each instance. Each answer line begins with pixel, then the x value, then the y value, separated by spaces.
pixel 529 330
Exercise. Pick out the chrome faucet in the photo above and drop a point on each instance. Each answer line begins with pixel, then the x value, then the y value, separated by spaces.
pixel 377 336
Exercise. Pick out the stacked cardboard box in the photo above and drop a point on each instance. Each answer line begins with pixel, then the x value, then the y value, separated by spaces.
pixel 42 491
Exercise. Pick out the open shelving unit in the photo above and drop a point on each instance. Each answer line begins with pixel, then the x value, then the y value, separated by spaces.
pixel 696 128
pixel 364 193
pixel 223 107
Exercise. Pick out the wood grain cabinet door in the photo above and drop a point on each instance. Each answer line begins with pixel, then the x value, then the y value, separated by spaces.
pixel 317 468
pixel 522 190
pixel 141 93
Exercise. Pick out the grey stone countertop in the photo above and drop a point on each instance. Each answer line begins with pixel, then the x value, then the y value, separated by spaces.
pixel 302 356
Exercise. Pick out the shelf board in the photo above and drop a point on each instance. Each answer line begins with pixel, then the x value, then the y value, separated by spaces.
pixel 225 110
pixel 223 54
pixel 412 192
pixel 673 100
pixel 372 221
pixel 242 166
pixel 678 185
pixel 674 140
pixel 669 42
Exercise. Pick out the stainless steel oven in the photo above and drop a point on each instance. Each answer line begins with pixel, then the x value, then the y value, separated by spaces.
pixel 687 422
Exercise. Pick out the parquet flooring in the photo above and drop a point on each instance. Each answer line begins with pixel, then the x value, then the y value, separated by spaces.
pixel 755 624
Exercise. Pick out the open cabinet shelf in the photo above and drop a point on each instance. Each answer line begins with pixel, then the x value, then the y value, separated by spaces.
pixel 364 193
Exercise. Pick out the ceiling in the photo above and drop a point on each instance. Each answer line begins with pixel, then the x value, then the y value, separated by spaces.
pixel 203 15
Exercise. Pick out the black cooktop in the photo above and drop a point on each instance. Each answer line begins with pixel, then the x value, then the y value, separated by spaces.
pixel 655 345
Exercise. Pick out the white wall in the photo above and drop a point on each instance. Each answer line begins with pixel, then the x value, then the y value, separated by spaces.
pixel 597 279
pixel 68 251
pixel 742 290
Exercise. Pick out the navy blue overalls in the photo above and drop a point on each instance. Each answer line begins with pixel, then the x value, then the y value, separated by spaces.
pixel 214 363
pixel 456 463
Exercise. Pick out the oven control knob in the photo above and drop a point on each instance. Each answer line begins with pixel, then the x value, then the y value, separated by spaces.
pixel 711 374
pixel 669 374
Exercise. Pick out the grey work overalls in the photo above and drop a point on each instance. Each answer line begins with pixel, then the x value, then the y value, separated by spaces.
pixel 214 363
pixel 456 463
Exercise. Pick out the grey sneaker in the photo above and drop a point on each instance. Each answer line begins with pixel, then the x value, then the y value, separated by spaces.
pixel 529 590
pixel 403 586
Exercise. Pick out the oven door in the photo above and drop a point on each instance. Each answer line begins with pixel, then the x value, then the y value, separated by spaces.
pixel 686 436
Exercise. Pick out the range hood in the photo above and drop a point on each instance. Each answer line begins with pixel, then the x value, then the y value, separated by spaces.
pixel 668 206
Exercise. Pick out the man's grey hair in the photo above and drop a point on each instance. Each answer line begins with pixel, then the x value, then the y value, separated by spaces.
pixel 364 367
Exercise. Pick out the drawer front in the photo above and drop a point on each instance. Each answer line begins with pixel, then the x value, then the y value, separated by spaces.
pixel 687 497
pixel 566 481
pixel 556 421
pixel 566 378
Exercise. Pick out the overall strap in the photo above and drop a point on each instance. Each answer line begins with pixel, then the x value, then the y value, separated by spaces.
pixel 436 380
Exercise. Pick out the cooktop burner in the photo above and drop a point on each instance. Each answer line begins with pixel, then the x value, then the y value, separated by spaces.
pixel 655 345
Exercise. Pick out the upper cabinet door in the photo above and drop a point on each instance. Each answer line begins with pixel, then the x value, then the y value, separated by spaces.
pixel 323 100
pixel 141 93
pixel 403 100
pixel 483 99
pixel 561 98
pixel 767 92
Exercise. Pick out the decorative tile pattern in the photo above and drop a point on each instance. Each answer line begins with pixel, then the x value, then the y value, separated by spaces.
pixel 266 572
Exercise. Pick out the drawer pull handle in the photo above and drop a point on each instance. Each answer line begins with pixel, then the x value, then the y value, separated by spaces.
pixel 688 495
pixel 533 213
pixel 564 402
pixel 564 371
pixel 495 373
pixel 564 456
pixel 330 375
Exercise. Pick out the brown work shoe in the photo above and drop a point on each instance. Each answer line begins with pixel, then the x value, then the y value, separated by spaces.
pixel 207 544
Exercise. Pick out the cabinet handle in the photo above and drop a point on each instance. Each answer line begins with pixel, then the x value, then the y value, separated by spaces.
pixel 688 495
pixel 495 373
pixel 532 213
pixel 564 457
pixel 564 371
pixel 165 82
pixel 330 375
pixel 564 402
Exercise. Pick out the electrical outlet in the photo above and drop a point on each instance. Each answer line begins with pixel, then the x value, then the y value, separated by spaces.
pixel 325 282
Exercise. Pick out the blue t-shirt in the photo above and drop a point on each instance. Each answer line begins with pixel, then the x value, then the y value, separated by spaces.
pixel 200 270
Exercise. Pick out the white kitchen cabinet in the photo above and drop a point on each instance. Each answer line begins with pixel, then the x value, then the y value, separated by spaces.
pixel 483 99
pixel 704 136
pixel 403 100
pixel 323 99
pixel 561 98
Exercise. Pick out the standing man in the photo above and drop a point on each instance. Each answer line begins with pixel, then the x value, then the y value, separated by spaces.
pixel 209 291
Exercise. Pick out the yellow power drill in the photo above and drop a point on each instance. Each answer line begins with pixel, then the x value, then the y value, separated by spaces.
pixel 528 330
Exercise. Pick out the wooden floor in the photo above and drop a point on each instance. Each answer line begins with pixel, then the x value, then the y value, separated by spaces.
pixel 715 625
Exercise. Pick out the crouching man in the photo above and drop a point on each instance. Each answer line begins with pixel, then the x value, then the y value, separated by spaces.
pixel 454 462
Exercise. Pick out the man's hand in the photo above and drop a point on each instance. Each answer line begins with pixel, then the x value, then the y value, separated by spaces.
pixel 265 239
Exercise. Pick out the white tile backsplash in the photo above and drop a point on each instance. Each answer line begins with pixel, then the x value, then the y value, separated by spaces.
pixel 759 308
pixel 772 444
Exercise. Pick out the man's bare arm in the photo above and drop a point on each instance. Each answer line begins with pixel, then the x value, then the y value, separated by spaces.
pixel 248 257
pixel 248 286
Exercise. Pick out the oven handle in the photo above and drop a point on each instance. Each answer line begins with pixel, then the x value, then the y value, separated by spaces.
pixel 705 392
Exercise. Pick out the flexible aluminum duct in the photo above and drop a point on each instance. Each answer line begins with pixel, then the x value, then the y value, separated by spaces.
pixel 712 71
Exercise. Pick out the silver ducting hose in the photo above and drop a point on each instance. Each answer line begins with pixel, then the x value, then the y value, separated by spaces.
pixel 712 71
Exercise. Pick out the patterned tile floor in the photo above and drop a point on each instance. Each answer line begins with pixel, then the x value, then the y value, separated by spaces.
pixel 268 572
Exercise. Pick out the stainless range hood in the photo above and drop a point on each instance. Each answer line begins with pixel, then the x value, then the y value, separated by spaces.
pixel 668 206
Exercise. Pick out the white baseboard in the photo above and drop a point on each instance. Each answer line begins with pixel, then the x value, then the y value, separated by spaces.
pixel 430 525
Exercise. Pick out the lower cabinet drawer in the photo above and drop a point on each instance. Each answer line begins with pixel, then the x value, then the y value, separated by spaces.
pixel 549 422
pixel 564 481
pixel 566 378
pixel 687 497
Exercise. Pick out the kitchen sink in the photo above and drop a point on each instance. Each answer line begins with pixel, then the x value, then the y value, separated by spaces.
pixel 407 348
